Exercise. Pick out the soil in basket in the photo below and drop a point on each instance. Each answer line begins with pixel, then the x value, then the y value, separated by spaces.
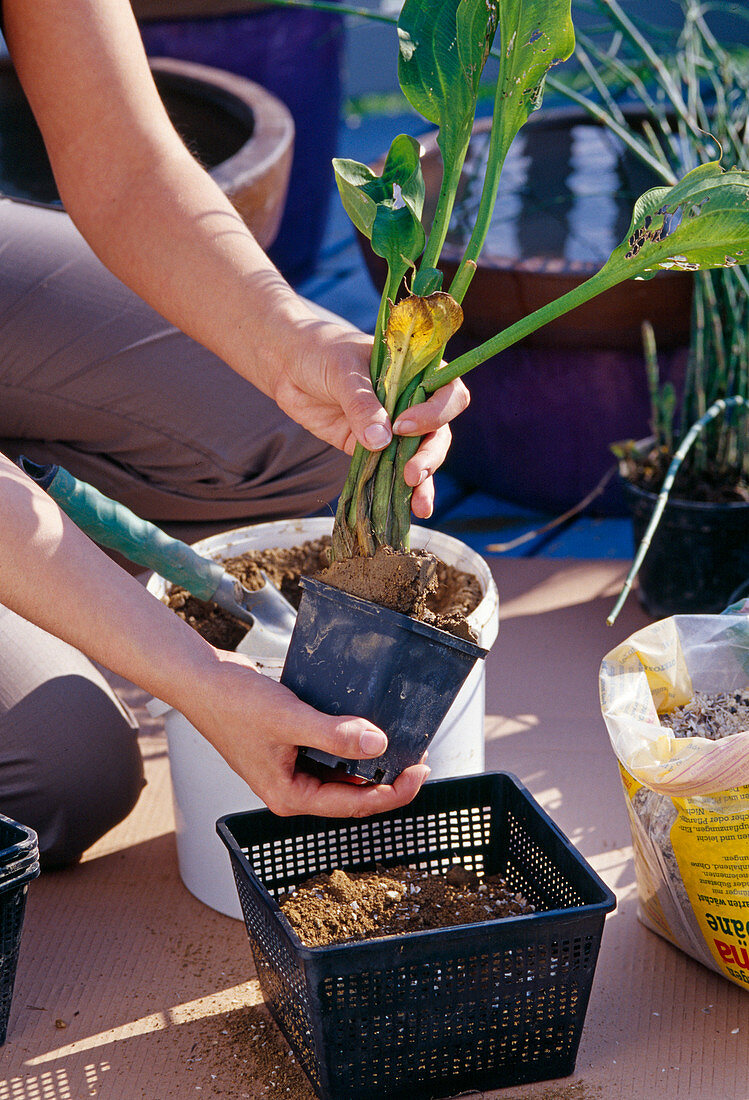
pixel 345 907
pixel 416 584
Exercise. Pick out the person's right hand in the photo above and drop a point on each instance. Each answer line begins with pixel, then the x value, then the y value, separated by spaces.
pixel 257 725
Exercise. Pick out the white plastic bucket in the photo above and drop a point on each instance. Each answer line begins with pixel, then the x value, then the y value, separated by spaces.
pixel 204 787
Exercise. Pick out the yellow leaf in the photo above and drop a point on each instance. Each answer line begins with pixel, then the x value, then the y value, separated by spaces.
pixel 417 330
pixel 420 327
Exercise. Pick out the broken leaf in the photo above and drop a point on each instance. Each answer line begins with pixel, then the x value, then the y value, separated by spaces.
pixel 701 222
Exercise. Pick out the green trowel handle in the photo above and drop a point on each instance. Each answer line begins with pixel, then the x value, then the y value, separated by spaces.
pixel 111 524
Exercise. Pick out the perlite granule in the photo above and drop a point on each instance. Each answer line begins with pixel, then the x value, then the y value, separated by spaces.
pixel 711 716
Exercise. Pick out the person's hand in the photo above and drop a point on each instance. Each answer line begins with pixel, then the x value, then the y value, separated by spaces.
pixel 323 383
pixel 257 724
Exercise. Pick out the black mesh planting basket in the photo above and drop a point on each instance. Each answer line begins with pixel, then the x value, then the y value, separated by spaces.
pixel 19 864
pixel 427 1014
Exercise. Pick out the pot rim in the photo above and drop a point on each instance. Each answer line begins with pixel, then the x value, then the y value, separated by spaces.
pixel 403 622
pixel 270 120
pixel 683 502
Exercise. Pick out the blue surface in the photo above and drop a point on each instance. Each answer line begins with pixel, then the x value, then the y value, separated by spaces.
pixel 342 284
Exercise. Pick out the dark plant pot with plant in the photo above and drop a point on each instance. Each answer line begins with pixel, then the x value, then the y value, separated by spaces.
pixel 351 656
pixel 688 485
pixel 698 556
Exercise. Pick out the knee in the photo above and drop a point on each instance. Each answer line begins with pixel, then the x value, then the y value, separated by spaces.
pixel 76 778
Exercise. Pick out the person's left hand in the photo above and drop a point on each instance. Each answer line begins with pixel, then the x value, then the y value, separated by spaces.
pixel 323 384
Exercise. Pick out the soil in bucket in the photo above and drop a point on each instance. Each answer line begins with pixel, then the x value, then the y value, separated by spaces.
pixel 416 584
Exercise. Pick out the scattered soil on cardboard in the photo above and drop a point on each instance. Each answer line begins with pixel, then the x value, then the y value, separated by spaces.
pixel 344 907
pixel 417 584
pixel 243 1055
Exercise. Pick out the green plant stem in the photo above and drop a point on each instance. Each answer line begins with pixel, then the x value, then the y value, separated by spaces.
pixel 495 162
pixel 342 546
pixel 337 9
pixel 390 494
pixel 715 410
pixel 438 376
pixel 442 214
pixel 402 493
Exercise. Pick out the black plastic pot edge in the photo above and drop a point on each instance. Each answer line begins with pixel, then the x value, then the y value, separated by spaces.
pixel 698 556
pixel 348 655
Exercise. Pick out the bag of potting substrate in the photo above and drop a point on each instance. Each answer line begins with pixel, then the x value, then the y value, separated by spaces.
pixel 687 796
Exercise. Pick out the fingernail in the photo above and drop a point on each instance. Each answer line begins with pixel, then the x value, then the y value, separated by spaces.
pixel 376 436
pixel 403 427
pixel 372 743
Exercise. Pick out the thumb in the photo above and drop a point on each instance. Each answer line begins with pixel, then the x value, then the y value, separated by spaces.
pixel 368 420
pixel 377 433
pixel 350 386
pixel 366 416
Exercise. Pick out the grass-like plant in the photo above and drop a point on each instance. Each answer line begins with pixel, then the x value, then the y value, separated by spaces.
pixel 692 93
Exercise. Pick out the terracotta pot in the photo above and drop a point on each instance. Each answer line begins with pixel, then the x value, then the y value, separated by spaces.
pixel 545 412
pixel 243 135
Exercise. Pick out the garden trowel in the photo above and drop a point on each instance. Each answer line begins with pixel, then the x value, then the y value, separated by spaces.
pixel 269 614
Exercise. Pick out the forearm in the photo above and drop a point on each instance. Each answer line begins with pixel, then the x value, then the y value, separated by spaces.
pixel 171 235
pixel 54 576
pixel 51 574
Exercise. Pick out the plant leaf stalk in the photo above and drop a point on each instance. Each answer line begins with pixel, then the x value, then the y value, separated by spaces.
pixel 440 375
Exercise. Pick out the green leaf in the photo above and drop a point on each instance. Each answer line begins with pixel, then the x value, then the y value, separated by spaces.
pixel 443 47
pixel 401 183
pixel 426 281
pixel 398 236
pixel 701 222
pixel 535 36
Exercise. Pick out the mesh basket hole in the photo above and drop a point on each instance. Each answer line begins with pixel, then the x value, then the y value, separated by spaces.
pixel 531 872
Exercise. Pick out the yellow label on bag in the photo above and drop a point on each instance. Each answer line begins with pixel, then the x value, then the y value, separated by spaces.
pixel 692 865
pixel 711 842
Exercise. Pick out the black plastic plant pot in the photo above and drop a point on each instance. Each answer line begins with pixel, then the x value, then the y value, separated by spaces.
pixel 436 1012
pixel 350 656
pixel 698 556
pixel 19 864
